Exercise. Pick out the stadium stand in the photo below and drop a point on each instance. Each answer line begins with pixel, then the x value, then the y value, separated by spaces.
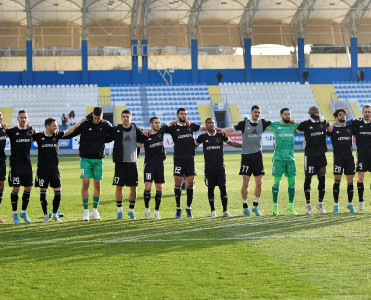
pixel 357 94
pixel 163 101
pixel 271 97
pixel 46 100
pixel 322 93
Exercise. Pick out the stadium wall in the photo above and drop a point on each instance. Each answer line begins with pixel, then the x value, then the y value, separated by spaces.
pixel 107 78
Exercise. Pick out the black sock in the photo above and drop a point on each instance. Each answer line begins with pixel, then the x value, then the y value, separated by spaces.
pixel 44 201
pixel 360 188
pixel 1 195
pixel 210 194
pixel 321 187
pixel 25 200
pixel 244 205
pixel 307 182
pixel 336 190
pixel 189 195
pixel 56 201
pixel 224 197
pixel 178 195
pixel 158 197
pixel 131 204
pixel 147 198
pixel 119 203
pixel 350 191
pixel 14 200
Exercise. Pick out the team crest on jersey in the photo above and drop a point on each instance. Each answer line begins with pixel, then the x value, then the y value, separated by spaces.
pixel 54 139
pixel 218 140
pixel 189 129
pixel 28 133
pixel 349 131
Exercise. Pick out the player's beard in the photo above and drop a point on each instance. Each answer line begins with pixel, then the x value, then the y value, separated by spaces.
pixel 182 120
pixel 315 117
pixel 342 121
pixel 286 121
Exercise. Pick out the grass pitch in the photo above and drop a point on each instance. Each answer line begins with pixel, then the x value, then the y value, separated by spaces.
pixel 320 256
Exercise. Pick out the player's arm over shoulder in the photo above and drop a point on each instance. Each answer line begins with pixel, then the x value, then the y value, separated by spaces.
pixel 199 140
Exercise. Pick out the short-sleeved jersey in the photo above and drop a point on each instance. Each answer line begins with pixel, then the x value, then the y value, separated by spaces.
pixel 92 138
pixel 362 131
pixel 2 143
pixel 284 135
pixel 20 144
pixel 213 149
pixel 242 125
pixel 315 137
pixel 184 144
pixel 154 147
pixel 341 139
pixel 48 149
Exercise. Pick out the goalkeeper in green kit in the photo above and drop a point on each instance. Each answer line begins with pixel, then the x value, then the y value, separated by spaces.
pixel 283 158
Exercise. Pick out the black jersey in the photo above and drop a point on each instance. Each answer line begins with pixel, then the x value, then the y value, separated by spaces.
pixel 154 147
pixel 213 149
pixel 184 143
pixel 2 143
pixel 48 149
pixel 92 138
pixel 342 140
pixel 20 144
pixel 315 137
pixel 242 125
pixel 362 131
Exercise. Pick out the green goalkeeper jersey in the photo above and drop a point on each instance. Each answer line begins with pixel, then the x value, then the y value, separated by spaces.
pixel 284 135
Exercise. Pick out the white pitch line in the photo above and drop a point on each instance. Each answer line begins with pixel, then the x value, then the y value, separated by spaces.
pixel 136 237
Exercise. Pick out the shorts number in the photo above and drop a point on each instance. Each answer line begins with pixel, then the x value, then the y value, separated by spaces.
pixel 116 180
pixel 41 182
pixel 206 182
pixel 177 170
pixel 244 168
pixel 16 180
pixel 82 172
pixel 360 166
pixel 148 176
pixel 310 169
pixel 337 169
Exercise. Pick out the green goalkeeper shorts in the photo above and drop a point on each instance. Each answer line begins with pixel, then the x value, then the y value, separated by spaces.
pixel 91 168
pixel 281 167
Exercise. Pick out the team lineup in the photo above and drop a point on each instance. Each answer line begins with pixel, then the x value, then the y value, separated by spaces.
pixel 127 138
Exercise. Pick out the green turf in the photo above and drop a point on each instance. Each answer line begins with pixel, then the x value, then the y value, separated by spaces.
pixel 320 256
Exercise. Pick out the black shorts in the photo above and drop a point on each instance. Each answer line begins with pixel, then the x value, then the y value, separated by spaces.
pixel 313 164
pixel 46 176
pixel 215 177
pixel 2 170
pixel 20 175
pixel 154 172
pixel 363 163
pixel 346 165
pixel 126 174
pixel 184 166
pixel 252 164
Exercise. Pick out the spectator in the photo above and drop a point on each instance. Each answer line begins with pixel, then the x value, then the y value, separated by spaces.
pixel 219 76
pixel 305 75
pixel 71 115
pixel 358 75
pixel 64 122
pixel 362 77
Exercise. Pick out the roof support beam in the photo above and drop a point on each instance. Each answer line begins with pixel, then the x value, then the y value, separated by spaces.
pixel 247 19
pixel 355 15
pixel 300 19
pixel 83 23
pixel 134 19
pixel 193 19
pixel 29 19
pixel 144 17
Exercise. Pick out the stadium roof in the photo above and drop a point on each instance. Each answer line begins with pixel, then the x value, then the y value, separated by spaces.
pixel 175 22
